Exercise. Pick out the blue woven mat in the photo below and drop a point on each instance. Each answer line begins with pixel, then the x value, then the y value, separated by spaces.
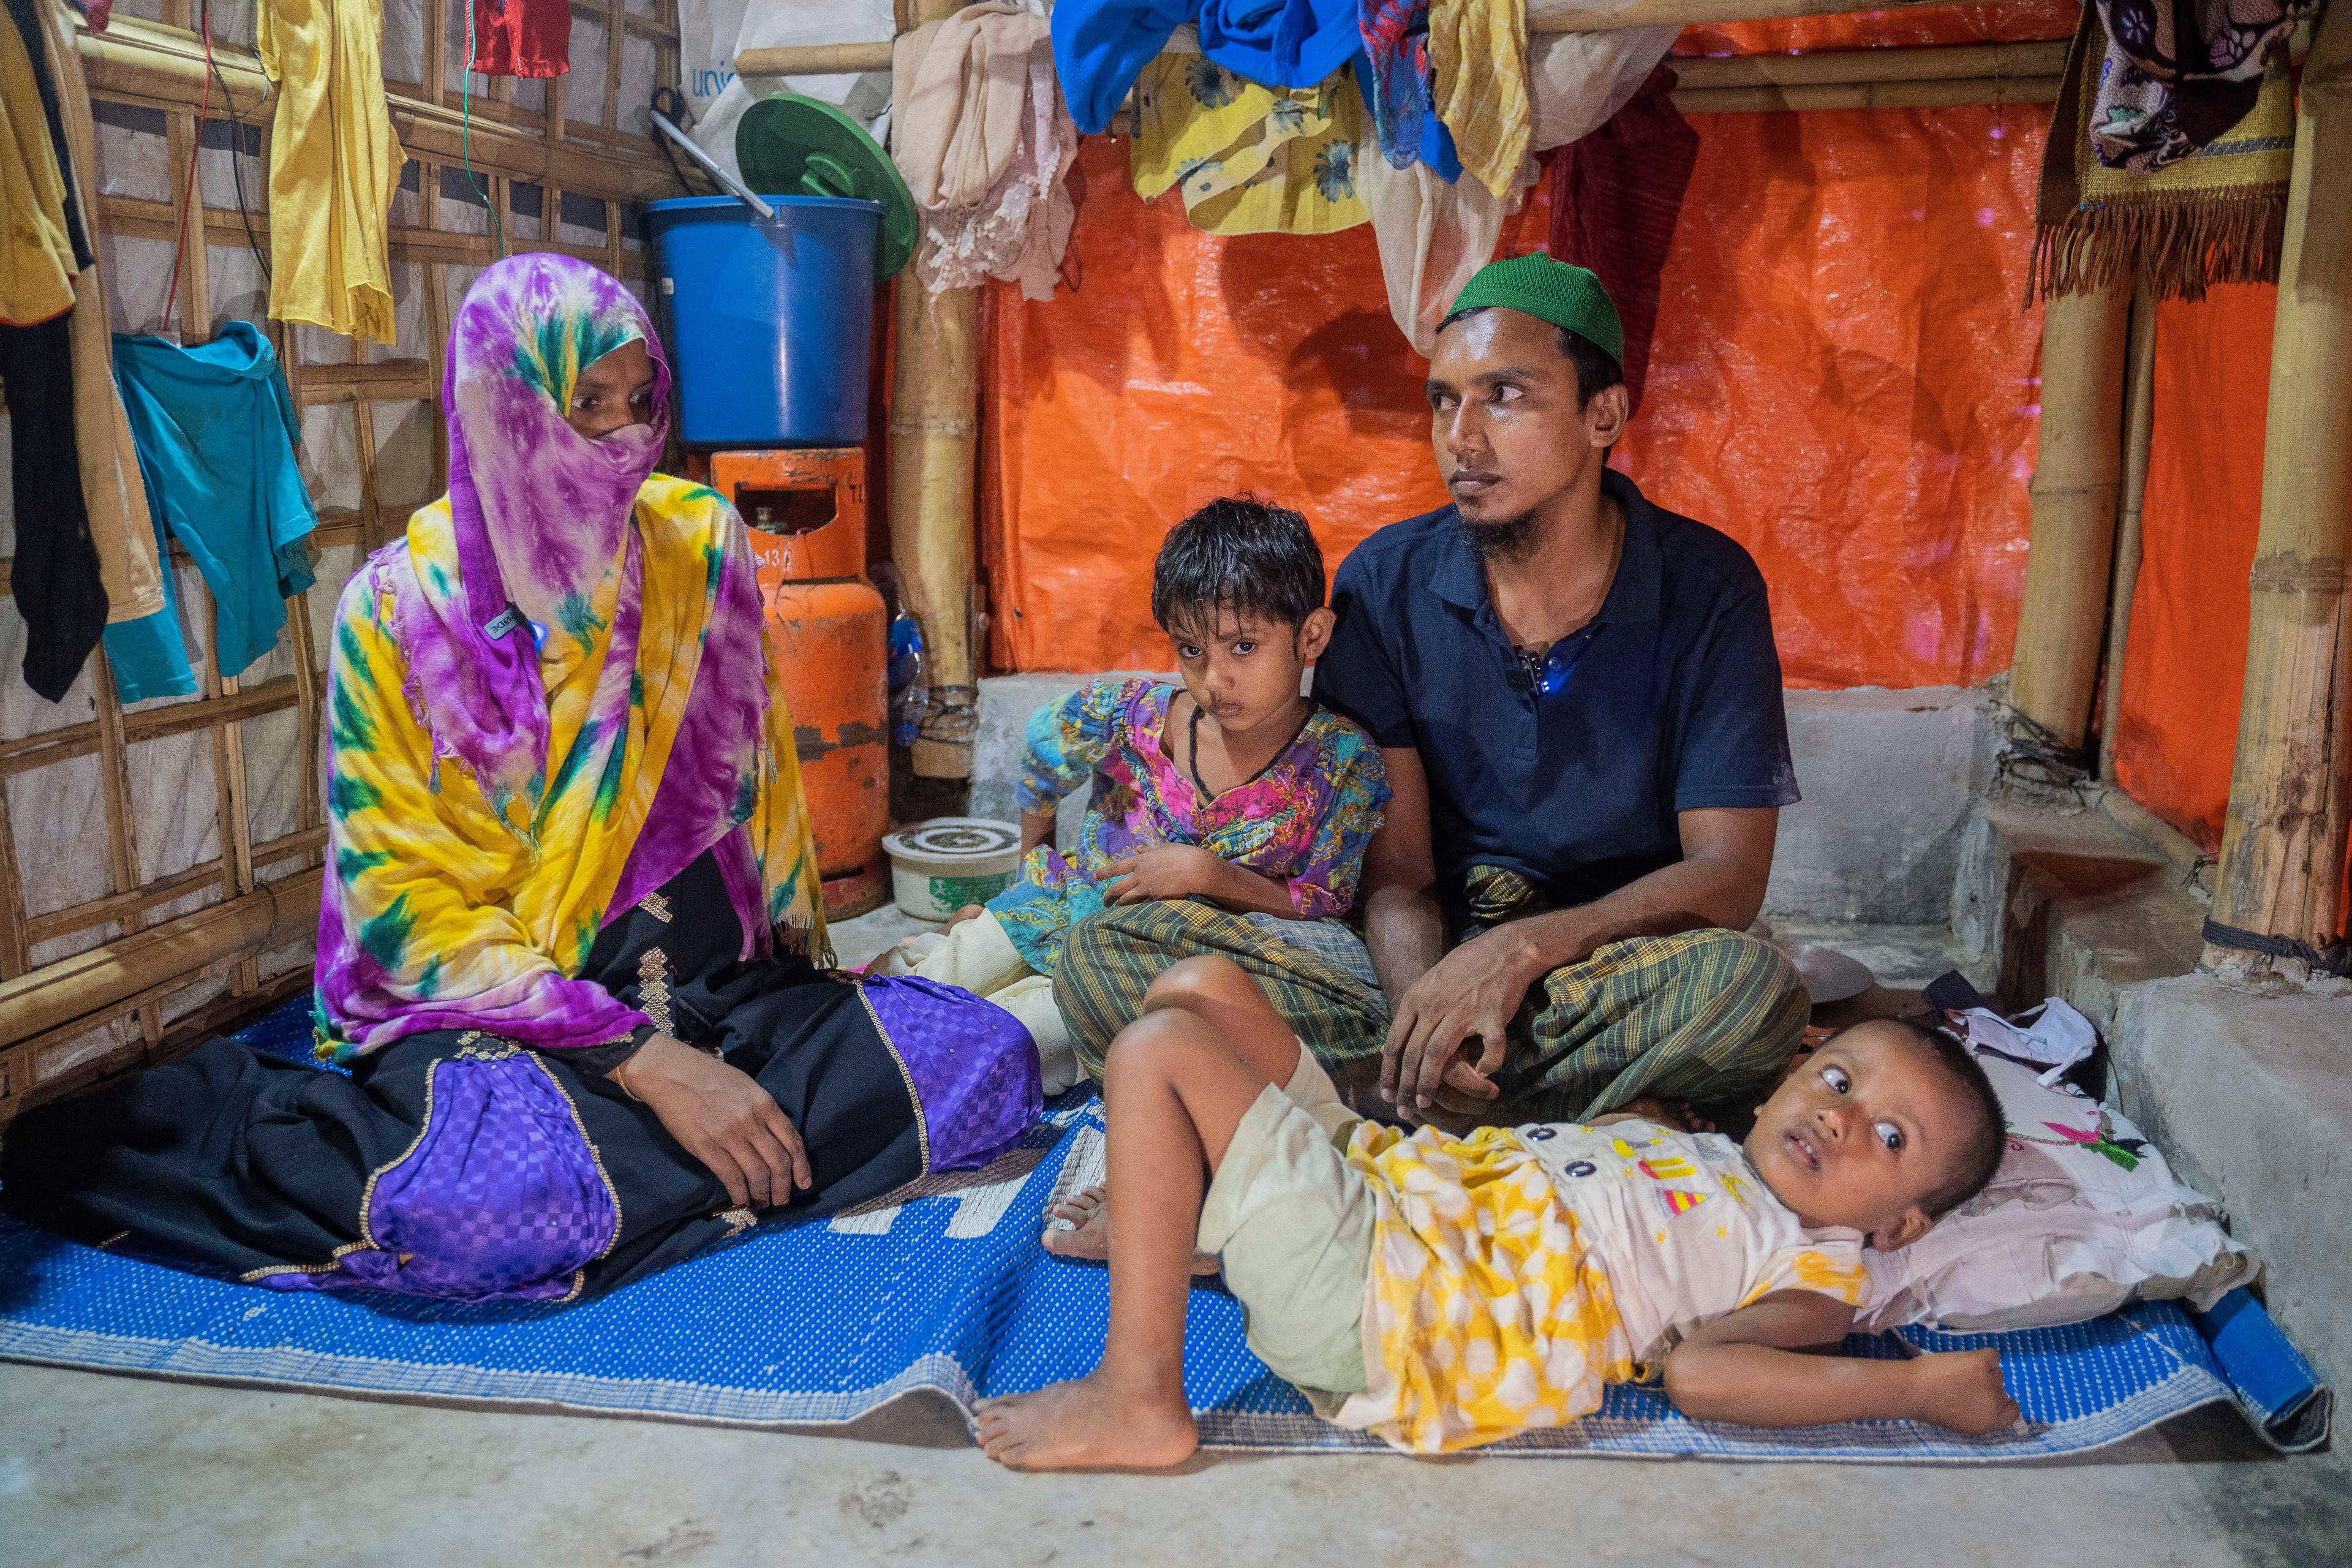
pixel 948 1290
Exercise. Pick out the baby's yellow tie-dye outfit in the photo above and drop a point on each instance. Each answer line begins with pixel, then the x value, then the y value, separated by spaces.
pixel 1515 1273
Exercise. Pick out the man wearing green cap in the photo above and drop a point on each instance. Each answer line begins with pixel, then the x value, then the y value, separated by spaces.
pixel 1578 697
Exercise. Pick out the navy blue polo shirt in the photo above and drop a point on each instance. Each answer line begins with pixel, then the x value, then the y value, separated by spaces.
pixel 1671 701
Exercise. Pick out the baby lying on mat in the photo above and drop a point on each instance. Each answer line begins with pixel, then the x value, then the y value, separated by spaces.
pixel 1450 1293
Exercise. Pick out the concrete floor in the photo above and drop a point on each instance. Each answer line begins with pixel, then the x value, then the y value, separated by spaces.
pixel 109 1469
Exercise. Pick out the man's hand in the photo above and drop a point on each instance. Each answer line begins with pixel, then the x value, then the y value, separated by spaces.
pixel 723 1118
pixel 1474 992
pixel 1162 871
pixel 1963 1390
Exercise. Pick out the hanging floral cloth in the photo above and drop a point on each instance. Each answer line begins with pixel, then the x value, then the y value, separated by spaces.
pixel 1247 158
pixel 2160 168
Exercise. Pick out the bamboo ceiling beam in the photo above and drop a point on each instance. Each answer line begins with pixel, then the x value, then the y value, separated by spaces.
pixel 1957 93
pixel 1889 64
pixel 2283 840
pixel 1954 63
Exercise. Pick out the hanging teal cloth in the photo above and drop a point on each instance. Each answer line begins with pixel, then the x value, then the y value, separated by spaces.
pixel 215 432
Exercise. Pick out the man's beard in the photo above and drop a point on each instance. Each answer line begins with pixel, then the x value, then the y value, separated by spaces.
pixel 1506 538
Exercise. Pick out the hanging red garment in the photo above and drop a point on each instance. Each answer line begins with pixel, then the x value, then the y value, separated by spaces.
pixel 1616 196
pixel 523 37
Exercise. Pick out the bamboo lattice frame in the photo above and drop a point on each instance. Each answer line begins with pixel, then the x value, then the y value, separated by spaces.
pixel 158 962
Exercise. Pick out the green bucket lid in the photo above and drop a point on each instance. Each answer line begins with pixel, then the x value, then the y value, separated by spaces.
pixel 789 144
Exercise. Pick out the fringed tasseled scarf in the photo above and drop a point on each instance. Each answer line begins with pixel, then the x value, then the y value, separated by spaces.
pixel 2170 150
pixel 546 701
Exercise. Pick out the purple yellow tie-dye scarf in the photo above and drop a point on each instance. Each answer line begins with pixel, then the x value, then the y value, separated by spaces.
pixel 545 702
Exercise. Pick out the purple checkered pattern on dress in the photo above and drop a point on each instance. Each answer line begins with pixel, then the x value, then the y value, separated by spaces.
pixel 974 1066
pixel 499 1199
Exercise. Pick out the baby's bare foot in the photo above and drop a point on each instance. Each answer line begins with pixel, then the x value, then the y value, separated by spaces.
pixel 1086 1424
pixel 1088 1213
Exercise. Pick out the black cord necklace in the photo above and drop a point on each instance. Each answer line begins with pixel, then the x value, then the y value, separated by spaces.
pixel 1192 757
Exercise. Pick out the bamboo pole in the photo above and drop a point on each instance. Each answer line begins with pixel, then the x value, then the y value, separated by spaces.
pixel 2284 841
pixel 850 59
pixel 1933 93
pixel 2139 428
pixel 64 993
pixel 1957 62
pixel 2076 481
pixel 934 431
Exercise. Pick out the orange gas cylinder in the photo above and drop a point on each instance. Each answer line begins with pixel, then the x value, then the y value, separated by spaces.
pixel 829 632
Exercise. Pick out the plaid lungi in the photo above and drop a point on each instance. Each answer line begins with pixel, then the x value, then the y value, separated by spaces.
pixel 1110 960
pixel 1709 1016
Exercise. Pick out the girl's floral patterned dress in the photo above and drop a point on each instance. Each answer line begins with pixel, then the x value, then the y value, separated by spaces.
pixel 1305 820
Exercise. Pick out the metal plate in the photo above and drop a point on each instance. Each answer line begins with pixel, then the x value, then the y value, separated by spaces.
pixel 1829 975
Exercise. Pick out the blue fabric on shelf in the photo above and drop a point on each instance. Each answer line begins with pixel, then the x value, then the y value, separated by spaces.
pixel 946 1290
pixel 1100 46
pixel 215 432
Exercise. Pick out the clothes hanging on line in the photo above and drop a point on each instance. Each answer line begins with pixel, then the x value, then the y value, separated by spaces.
pixel 1101 46
pixel 42 242
pixel 986 147
pixel 1435 235
pixel 215 432
pixel 1478 62
pixel 120 526
pixel 2173 79
pixel 2216 214
pixel 1616 196
pixel 55 579
pixel 523 37
pixel 1247 158
pixel 1395 77
pixel 333 165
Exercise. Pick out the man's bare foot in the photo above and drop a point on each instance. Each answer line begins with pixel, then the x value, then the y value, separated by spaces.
pixel 1089 1212
pixel 1086 1424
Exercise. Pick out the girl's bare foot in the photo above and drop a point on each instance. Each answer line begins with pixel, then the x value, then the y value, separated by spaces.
pixel 1086 1424
pixel 1089 1213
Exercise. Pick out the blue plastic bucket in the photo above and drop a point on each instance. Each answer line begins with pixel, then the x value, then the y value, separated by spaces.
pixel 770 324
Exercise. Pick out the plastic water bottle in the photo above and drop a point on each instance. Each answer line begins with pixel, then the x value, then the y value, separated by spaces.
pixel 910 700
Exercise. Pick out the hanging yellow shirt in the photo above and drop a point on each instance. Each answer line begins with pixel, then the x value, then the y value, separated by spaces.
pixel 333 163
pixel 1478 55
pixel 1247 158
pixel 36 258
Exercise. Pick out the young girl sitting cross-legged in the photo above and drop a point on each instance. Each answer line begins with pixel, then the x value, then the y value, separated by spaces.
pixel 1230 787
pixel 1449 1293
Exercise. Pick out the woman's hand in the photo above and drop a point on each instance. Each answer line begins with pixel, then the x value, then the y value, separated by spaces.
pixel 723 1118
pixel 1163 871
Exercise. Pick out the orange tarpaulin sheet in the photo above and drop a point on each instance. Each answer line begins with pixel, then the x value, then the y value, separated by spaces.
pixel 1841 379
pixel 2185 663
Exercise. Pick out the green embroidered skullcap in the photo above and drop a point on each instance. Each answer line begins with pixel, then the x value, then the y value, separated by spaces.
pixel 1551 291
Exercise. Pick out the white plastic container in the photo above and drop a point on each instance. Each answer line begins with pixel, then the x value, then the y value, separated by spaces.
pixel 938 866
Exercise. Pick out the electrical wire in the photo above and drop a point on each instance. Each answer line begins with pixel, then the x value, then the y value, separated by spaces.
pixel 236 169
pixel 191 194
pixel 466 134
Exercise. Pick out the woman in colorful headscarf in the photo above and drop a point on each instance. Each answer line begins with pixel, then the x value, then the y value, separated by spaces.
pixel 572 925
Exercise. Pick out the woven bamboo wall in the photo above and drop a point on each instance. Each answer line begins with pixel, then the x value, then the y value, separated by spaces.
pixel 160 862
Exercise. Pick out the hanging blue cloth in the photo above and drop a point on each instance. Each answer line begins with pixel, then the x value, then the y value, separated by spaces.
pixel 1100 46
pixel 215 432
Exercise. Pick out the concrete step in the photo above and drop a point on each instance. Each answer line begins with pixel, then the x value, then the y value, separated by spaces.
pixel 2248 1094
